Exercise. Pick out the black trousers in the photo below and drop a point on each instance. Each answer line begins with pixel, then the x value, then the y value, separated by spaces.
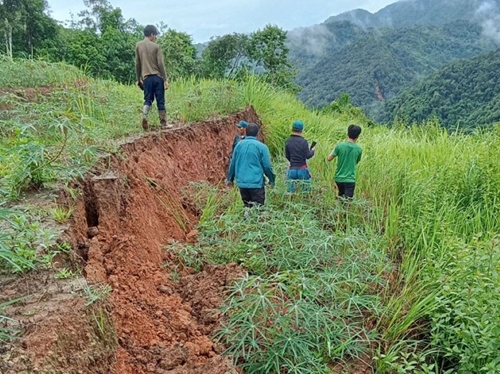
pixel 154 89
pixel 346 190
pixel 253 196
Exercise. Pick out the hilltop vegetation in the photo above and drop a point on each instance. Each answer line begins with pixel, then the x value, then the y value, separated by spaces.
pixel 461 95
pixel 308 45
pixel 341 56
pixel 373 57
pixel 101 41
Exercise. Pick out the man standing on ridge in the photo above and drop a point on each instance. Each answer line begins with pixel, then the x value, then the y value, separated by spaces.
pixel 297 152
pixel 349 154
pixel 151 75
pixel 249 163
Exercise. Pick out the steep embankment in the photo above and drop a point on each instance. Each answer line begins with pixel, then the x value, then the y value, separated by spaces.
pixel 133 204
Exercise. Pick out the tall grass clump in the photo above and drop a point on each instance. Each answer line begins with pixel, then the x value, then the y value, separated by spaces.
pixel 19 73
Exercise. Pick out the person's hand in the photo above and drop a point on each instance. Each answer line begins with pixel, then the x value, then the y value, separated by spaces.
pixel 229 185
pixel 140 84
pixel 313 149
pixel 165 84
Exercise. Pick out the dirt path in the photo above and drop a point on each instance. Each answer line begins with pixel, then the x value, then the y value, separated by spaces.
pixel 133 204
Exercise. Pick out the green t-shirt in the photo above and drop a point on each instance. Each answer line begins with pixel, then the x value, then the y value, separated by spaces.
pixel 348 155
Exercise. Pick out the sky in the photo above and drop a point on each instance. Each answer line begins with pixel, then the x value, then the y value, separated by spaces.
pixel 205 18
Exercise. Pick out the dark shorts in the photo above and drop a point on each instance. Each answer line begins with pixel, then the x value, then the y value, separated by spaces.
pixel 346 190
pixel 253 196
pixel 154 88
pixel 298 179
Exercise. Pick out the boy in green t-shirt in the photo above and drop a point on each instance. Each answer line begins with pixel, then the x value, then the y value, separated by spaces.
pixel 348 154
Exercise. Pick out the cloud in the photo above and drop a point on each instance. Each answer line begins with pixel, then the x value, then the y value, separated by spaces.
pixel 203 18
pixel 311 40
pixel 488 14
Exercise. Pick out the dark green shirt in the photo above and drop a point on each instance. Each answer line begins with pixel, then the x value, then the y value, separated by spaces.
pixel 348 155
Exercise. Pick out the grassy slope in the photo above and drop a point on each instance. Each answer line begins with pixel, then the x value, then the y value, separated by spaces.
pixel 433 203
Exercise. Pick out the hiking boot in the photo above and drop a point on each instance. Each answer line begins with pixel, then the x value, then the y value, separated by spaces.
pixel 145 124
pixel 163 120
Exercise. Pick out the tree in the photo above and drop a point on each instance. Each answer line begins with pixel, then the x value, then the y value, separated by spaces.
pixel 9 16
pixel 37 25
pixel 25 25
pixel 101 41
pixel 268 49
pixel 225 56
pixel 179 53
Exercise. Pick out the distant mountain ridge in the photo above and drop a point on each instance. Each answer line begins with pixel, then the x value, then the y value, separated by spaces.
pixel 407 13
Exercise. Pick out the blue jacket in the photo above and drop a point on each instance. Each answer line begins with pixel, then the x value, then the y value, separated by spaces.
pixel 250 161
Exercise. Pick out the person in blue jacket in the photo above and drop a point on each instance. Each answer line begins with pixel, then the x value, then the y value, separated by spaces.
pixel 250 162
pixel 242 127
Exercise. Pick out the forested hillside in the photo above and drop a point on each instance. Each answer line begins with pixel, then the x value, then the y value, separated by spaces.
pixel 463 94
pixel 378 65
pixel 309 45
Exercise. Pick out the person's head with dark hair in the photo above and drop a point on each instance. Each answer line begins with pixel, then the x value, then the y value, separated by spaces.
pixel 252 129
pixel 353 132
pixel 151 32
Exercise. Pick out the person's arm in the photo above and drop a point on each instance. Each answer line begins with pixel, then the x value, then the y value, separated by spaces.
pixel 266 165
pixel 332 155
pixel 161 65
pixel 235 142
pixel 287 152
pixel 138 66
pixel 359 157
pixel 307 151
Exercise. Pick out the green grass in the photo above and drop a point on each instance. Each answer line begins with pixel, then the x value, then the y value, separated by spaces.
pixel 57 137
pixel 314 279
pixel 24 242
pixel 7 333
pixel 430 208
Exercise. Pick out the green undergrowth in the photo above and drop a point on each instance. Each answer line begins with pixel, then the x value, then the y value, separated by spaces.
pixel 320 285
pixel 26 242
